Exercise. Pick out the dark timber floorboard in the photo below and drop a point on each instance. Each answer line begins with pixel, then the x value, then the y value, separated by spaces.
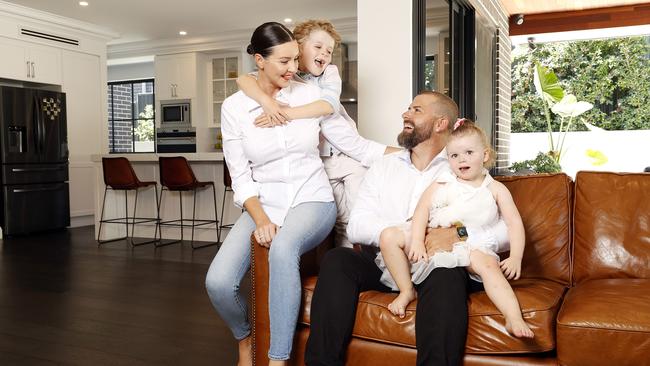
pixel 64 301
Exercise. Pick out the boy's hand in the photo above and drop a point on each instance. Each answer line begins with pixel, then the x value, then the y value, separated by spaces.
pixel 511 268
pixel 418 252
pixel 273 115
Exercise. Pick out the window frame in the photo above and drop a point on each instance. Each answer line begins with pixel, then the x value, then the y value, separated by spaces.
pixel 111 115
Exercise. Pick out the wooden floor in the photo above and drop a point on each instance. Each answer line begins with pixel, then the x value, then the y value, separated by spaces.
pixel 64 301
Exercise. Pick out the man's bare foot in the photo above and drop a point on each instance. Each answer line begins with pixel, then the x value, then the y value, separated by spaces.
pixel 519 328
pixel 245 352
pixel 398 306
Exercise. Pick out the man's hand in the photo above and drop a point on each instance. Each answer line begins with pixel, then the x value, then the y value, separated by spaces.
pixel 440 239
pixel 418 252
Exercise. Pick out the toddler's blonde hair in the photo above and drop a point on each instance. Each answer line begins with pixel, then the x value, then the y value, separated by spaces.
pixel 465 127
pixel 304 29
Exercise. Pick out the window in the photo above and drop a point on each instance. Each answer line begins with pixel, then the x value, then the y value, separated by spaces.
pixel 131 111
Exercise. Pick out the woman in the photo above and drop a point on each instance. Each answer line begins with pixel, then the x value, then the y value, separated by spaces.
pixel 278 177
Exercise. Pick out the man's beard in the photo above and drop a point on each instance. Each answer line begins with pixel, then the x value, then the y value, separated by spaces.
pixel 409 140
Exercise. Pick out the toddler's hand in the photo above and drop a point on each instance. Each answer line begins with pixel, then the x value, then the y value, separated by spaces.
pixel 418 252
pixel 511 268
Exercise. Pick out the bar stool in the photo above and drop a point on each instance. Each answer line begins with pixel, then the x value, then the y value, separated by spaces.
pixel 120 176
pixel 176 175
pixel 227 187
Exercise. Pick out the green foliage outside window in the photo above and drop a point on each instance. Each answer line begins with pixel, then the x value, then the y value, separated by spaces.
pixel 612 74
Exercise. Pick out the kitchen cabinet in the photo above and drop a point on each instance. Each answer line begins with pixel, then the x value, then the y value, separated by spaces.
pixel 176 76
pixel 225 70
pixel 83 86
pixel 29 62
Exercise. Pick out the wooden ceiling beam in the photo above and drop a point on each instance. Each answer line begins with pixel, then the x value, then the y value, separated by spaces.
pixel 563 21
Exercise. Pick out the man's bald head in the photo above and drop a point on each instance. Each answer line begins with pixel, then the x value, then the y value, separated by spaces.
pixel 442 106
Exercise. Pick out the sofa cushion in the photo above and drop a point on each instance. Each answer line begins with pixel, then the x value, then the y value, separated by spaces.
pixel 544 202
pixel 612 216
pixel 605 322
pixel 540 301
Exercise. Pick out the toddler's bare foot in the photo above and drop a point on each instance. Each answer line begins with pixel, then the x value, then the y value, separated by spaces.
pixel 519 328
pixel 398 306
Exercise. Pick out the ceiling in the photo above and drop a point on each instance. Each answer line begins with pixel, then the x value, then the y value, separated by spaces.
pixel 549 6
pixel 148 20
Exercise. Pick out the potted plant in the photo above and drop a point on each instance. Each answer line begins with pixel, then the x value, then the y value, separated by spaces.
pixel 564 105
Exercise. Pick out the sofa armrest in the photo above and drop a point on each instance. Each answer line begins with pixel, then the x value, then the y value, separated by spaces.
pixel 259 308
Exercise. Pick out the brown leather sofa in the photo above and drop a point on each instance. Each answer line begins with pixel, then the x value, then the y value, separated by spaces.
pixel 585 287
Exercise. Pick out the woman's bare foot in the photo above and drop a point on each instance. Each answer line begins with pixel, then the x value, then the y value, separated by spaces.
pixel 245 352
pixel 398 306
pixel 519 328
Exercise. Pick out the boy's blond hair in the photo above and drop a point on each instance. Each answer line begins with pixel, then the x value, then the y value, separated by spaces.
pixel 464 127
pixel 304 29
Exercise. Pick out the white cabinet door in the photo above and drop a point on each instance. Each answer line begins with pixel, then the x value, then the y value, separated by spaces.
pixel 13 62
pixel 175 76
pixel 29 62
pixel 45 63
pixel 82 83
pixel 186 76
pixel 166 73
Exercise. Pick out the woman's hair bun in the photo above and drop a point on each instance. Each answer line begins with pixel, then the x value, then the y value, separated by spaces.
pixel 250 49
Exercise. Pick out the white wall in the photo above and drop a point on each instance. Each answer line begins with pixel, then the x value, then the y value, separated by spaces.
pixel 626 151
pixel 142 70
pixel 384 55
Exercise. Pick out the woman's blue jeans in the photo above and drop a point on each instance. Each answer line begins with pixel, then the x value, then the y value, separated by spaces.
pixel 305 226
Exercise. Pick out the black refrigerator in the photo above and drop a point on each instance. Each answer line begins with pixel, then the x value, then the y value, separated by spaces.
pixel 34 160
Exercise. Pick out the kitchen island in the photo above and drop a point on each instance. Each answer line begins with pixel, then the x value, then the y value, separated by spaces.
pixel 207 166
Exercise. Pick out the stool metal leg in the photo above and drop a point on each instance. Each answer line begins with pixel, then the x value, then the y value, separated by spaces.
pixel 133 221
pixel 216 220
pixel 102 221
pixel 160 242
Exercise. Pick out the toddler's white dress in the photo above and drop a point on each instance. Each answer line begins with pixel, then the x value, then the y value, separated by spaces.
pixel 453 202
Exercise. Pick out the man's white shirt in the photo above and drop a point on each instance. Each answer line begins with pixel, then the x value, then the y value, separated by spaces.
pixel 390 192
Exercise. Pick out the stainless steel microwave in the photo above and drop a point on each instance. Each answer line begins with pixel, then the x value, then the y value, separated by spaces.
pixel 175 113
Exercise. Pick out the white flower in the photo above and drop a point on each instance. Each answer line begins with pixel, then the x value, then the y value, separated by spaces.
pixel 570 107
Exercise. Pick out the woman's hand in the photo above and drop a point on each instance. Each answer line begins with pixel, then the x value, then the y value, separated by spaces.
pixel 265 232
pixel 418 252
pixel 274 114
pixel 511 268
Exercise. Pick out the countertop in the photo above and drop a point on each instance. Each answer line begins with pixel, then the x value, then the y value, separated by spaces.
pixel 152 157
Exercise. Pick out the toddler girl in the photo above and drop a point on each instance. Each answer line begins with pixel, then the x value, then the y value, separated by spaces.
pixel 469 197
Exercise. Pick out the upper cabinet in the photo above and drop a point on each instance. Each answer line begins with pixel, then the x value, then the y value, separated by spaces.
pixel 225 70
pixel 30 62
pixel 176 76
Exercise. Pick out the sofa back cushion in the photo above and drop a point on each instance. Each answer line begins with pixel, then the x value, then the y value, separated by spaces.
pixel 612 226
pixel 544 202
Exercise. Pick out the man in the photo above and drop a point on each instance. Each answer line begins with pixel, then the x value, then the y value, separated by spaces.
pixel 387 197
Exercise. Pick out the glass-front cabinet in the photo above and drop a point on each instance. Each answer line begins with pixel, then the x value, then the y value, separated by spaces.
pixel 225 70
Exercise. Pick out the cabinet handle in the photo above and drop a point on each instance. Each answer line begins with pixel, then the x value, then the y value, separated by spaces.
pixel 171 88
pixel 33 71
pixel 28 73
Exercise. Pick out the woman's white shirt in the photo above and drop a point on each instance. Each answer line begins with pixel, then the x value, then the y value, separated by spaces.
pixel 281 165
